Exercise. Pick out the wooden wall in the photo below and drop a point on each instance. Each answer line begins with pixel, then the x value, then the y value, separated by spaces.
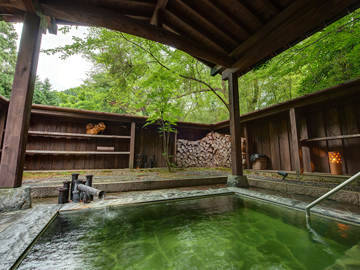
pixel 327 113
pixel 271 136
pixel 335 121
pixel 69 162
pixel 147 142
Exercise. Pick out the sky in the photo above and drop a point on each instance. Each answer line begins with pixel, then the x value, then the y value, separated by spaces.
pixel 63 74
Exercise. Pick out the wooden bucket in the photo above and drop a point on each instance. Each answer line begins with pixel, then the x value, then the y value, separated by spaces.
pixel 259 164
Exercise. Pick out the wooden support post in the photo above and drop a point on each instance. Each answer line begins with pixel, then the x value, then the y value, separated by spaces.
pixel 17 124
pixel 305 151
pixel 132 146
pixel 2 124
pixel 295 140
pixel 235 131
pixel 248 144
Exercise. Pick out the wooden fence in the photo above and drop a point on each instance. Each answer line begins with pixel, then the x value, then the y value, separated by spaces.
pixel 295 135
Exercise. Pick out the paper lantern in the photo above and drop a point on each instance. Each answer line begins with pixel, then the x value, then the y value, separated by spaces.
pixel 335 163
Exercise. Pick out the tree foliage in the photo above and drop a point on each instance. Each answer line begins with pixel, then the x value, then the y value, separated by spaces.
pixel 43 93
pixel 8 37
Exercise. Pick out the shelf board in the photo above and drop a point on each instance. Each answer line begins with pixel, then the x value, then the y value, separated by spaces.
pixel 74 135
pixel 45 152
pixel 340 137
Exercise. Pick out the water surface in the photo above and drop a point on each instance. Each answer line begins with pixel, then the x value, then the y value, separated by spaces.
pixel 223 232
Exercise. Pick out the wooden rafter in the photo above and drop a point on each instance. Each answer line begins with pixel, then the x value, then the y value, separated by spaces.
pixel 229 16
pixel 201 31
pixel 26 5
pixel 160 7
pixel 210 20
pixel 33 7
pixel 286 27
pixel 6 3
pixel 251 12
pixel 74 11
pixel 272 6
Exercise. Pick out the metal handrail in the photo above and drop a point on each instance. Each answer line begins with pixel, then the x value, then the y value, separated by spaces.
pixel 331 192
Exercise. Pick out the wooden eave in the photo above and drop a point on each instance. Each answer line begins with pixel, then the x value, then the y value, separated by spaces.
pixel 228 36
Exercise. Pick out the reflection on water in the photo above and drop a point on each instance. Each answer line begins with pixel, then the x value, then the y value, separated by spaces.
pixel 224 232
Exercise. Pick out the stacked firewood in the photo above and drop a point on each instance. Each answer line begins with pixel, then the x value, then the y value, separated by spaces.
pixel 95 129
pixel 214 150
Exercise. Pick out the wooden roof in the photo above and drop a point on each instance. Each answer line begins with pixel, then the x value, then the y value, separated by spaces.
pixel 233 34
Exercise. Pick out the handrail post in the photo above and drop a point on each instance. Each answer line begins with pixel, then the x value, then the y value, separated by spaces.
pixel 331 192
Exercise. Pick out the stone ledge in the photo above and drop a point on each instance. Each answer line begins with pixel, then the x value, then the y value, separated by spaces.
pixel 341 196
pixel 52 191
pixel 13 199
pixel 15 239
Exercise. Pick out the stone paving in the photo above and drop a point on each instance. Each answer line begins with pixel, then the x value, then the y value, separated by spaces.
pixel 20 230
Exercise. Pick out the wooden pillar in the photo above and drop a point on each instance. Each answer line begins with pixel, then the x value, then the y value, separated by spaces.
pixel 248 144
pixel 3 115
pixel 17 124
pixel 295 139
pixel 235 131
pixel 132 146
pixel 305 151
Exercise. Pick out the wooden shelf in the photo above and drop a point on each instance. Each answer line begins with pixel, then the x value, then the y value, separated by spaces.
pixel 331 138
pixel 45 152
pixel 74 135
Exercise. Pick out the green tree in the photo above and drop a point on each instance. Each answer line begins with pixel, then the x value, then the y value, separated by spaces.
pixel 8 57
pixel 43 93
pixel 163 109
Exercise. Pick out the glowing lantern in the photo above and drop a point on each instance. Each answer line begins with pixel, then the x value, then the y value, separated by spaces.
pixel 335 163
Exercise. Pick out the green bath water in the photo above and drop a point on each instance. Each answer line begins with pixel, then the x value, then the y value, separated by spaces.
pixel 223 232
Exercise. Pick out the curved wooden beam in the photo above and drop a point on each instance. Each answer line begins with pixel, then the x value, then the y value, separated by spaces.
pixel 74 11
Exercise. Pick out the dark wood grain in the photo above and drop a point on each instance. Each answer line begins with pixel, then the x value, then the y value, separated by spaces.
pixel 235 129
pixel 13 152
pixel 132 146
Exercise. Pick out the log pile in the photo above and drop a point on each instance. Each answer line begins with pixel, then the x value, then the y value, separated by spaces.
pixel 214 150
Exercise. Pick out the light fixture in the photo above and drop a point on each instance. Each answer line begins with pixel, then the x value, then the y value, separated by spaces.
pixel 335 161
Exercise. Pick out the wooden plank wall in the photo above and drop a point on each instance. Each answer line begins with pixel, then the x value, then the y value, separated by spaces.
pixel 69 162
pixel 147 142
pixel 272 137
pixel 339 120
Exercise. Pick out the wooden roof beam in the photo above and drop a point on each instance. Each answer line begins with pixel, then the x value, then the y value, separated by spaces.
pixel 251 12
pixel 211 38
pixel 74 11
pixel 6 3
pixel 272 6
pixel 228 16
pixel 297 19
pixel 160 7
pixel 210 20
pixel 33 7
pixel 26 5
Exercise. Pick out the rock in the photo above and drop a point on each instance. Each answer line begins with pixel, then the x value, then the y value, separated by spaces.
pixel 237 181
pixel 13 199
